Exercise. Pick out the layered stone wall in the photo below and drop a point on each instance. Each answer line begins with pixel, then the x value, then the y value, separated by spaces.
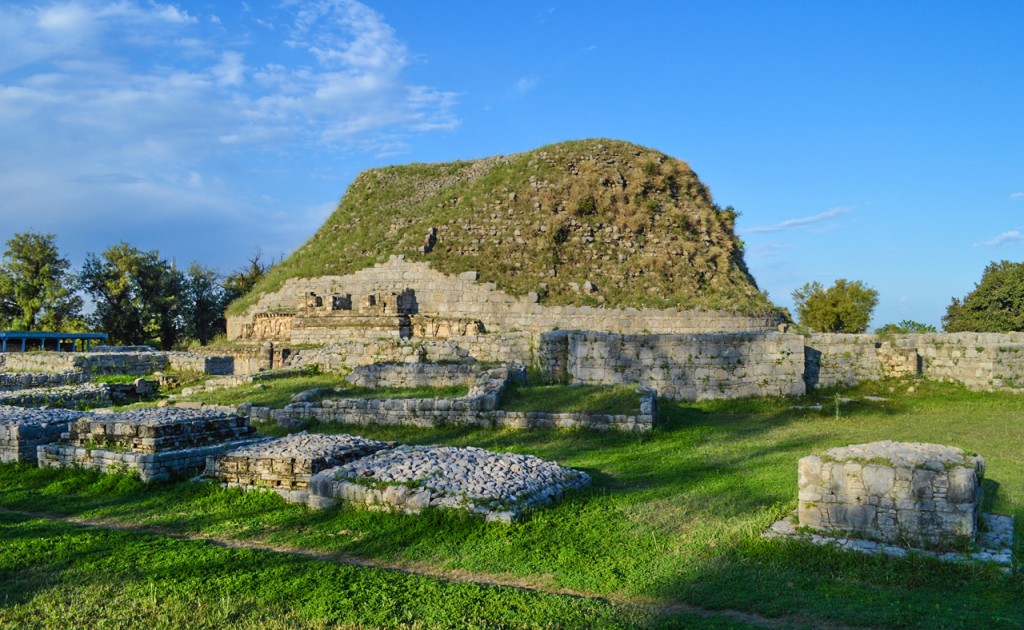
pixel 689 367
pixel 464 298
pixel 14 381
pixel 980 361
pixel 133 363
pixel 414 375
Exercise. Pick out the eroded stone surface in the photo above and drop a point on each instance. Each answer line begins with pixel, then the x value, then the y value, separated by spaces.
pixel 893 492
pixel 411 478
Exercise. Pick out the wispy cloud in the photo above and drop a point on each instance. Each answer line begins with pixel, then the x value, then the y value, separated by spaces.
pixel 801 223
pixel 1013 236
pixel 1017 196
pixel 124 110
pixel 526 84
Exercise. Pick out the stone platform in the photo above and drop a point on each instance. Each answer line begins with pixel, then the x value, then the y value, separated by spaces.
pixel 893 498
pixel 287 463
pixel 158 443
pixel 499 486
pixel 152 430
pixel 23 430
pixel 925 495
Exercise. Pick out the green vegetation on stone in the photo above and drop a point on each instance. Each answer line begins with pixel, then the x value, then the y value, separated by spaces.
pixel 636 222
pixel 675 517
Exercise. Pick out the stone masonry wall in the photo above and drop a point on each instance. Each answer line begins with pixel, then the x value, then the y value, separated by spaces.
pixel 463 297
pixel 980 361
pixel 134 363
pixel 690 367
pixel 414 375
pixel 14 381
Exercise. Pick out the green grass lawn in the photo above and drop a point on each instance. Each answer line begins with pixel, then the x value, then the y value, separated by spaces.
pixel 572 399
pixel 674 517
pixel 277 393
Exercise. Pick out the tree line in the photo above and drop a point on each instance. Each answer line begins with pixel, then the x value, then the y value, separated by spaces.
pixel 995 305
pixel 138 296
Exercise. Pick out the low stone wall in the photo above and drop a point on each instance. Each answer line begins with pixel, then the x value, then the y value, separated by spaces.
pixel 92 363
pixel 980 361
pixel 14 381
pixel 22 431
pixel 922 494
pixel 67 396
pixel 688 367
pixel 201 363
pixel 514 347
pixel 149 466
pixel 413 375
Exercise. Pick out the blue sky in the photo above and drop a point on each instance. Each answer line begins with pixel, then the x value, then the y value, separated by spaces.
pixel 871 141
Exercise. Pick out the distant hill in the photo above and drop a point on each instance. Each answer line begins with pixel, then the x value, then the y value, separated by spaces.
pixel 635 223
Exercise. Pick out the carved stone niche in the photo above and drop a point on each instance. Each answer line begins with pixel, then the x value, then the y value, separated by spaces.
pixel 341 302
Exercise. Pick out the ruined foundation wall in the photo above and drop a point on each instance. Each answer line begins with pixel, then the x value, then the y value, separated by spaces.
pixel 463 297
pixel 689 367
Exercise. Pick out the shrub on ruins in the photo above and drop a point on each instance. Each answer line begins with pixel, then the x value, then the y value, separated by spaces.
pixel 241 281
pixel 37 288
pixel 905 327
pixel 844 307
pixel 138 295
pixel 995 305
pixel 204 304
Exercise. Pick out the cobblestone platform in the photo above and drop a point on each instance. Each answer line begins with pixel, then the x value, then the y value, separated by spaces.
pixel 23 430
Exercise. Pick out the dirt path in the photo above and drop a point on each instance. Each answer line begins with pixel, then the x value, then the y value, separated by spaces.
pixel 426 570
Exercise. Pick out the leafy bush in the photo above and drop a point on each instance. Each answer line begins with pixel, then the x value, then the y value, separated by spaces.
pixel 844 307
pixel 905 327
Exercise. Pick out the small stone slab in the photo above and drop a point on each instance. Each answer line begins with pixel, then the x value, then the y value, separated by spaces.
pixel 23 430
pixel 499 486
pixel 290 461
pixel 156 429
pixel 926 495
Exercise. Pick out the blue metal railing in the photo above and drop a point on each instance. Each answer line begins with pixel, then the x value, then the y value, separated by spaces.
pixel 42 337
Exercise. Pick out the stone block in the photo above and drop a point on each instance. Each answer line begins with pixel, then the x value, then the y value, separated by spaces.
pixel 892 492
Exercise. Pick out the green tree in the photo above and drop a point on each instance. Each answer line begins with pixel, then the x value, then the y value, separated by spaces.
pixel 242 281
pixel 204 311
pixel 905 327
pixel 37 289
pixel 995 305
pixel 138 295
pixel 844 307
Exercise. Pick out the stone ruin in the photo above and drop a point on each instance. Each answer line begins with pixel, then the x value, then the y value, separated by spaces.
pixel 23 430
pixel 285 465
pixel 158 443
pixel 889 496
pixel 322 470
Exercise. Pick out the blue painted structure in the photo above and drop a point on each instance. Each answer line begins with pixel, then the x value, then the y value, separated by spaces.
pixel 42 337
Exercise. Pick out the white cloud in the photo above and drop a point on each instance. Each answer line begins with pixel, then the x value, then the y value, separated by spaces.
pixel 527 84
pixel 1017 196
pixel 112 108
pixel 1012 236
pixel 804 222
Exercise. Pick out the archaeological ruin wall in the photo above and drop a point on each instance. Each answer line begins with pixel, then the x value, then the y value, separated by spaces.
pixel 410 300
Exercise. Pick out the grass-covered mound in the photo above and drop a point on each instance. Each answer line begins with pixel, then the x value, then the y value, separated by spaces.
pixel 635 222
